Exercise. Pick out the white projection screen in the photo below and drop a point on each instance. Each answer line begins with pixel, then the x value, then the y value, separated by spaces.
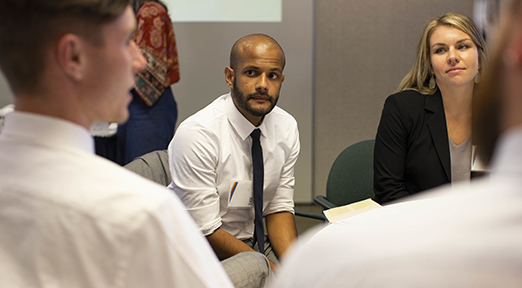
pixel 225 10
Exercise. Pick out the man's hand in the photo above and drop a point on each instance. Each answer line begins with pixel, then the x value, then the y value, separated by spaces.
pixel 273 266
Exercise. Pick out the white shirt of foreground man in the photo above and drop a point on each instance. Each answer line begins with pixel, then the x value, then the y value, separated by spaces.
pixel 69 218
pixel 467 237
pixel 82 221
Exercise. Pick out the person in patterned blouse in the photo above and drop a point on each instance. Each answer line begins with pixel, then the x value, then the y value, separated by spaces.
pixel 153 110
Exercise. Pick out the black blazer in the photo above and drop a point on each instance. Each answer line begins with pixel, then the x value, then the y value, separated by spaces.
pixel 411 151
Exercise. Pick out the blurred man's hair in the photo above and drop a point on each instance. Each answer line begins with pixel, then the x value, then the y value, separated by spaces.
pixel 28 27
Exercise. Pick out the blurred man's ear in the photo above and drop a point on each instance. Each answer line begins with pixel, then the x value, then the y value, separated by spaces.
pixel 69 54
pixel 513 55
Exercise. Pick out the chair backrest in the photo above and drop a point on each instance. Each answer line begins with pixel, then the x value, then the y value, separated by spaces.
pixel 153 166
pixel 351 176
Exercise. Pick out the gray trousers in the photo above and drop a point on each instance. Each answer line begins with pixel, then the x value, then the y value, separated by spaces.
pixel 269 252
pixel 251 269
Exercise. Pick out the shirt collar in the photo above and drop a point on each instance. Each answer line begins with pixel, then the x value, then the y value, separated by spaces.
pixel 48 130
pixel 239 122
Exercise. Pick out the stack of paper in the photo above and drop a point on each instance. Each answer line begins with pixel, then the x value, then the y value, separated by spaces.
pixel 340 213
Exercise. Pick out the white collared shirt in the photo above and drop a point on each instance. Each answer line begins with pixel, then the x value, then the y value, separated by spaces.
pixel 211 165
pixel 69 218
pixel 454 236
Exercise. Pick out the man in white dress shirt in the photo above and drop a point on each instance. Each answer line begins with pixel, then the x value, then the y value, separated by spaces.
pixel 466 236
pixel 210 155
pixel 69 218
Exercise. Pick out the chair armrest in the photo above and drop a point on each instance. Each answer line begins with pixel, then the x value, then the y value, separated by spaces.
pixel 310 215
pixel 321 200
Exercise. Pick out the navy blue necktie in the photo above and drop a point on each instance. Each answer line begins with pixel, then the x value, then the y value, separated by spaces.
pixel 259 175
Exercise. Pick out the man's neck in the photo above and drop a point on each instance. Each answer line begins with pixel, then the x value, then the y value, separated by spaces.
pixel 49 106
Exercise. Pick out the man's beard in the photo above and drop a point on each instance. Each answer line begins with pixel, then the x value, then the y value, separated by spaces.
pixel 242 101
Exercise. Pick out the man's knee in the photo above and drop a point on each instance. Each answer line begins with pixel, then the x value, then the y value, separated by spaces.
pixel 248 269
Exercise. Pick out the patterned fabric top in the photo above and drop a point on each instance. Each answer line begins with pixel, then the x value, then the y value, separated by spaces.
pixel 155 37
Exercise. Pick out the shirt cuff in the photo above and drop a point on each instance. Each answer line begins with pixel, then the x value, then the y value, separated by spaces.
pixel 207 217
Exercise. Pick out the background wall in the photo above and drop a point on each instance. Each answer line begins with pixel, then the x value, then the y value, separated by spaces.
pixel 363 49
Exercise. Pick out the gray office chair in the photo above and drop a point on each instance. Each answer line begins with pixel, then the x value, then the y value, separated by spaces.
pixel 155 166
pixel 351 176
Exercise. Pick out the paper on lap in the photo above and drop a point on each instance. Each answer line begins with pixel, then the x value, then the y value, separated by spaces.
pixel 340 213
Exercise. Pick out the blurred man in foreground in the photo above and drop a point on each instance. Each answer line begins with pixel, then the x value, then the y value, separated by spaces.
pixel 67 217
pixel 465 237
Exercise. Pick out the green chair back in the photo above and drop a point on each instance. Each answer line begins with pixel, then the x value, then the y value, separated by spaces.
pixel 351 176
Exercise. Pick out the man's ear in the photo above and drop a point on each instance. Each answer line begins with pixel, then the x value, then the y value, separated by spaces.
pixel 229 76
pixel 70 55
pixel 513 51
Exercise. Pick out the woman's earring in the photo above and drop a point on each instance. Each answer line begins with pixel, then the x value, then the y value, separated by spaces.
pixel 477 78
pixel 432 82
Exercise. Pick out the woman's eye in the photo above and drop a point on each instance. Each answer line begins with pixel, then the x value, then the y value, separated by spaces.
pixel 440 50
pixel 463 47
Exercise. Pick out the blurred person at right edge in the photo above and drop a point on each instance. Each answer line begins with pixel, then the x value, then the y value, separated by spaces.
pixel 424 136
pixel 466 239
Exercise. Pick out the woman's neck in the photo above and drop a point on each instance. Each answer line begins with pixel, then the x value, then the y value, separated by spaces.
pixel 457 101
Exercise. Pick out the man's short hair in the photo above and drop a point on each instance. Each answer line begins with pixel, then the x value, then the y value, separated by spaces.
pixel 234 52
pixel 28 27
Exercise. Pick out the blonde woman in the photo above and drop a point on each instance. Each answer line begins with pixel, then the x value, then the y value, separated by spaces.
pixel 424 136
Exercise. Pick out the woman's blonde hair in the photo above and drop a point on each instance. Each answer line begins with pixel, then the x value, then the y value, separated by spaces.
pixel 419 76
